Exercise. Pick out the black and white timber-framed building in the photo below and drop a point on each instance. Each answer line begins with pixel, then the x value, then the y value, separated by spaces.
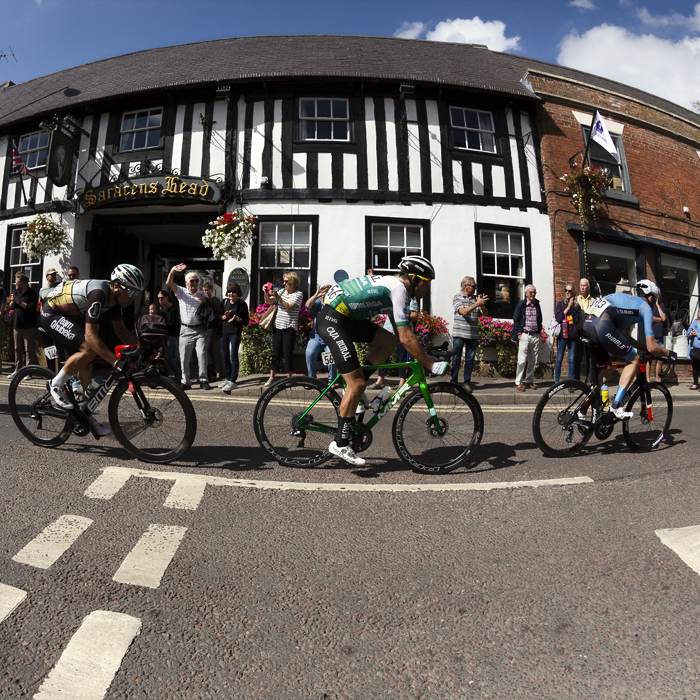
pixel 351 151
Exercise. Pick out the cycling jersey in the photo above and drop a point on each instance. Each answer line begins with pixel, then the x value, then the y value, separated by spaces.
pixel 78 298
pixel 368 296
pixel 624 311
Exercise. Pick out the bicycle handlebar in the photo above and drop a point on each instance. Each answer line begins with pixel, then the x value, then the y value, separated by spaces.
pixel 667 364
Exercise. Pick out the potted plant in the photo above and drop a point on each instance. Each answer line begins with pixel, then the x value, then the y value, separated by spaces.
pixel 587 187
pixel 231 235
pixel 45 236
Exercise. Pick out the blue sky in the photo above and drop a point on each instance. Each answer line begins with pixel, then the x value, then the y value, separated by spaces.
pixel 651 44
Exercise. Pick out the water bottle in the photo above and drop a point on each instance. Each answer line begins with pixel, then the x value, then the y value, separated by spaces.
pixel 78 390
pixel 605 395
pixel 378 401
pixel 94 385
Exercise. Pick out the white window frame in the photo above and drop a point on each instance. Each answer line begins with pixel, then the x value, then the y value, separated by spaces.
pixel 479 131
pixel 32 268
pixel 27 153
pixel 495 252
pixel 134 131
pixel 388 247
pixel 304 120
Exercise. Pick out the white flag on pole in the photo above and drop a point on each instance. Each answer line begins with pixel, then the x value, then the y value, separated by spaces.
pixel 601 135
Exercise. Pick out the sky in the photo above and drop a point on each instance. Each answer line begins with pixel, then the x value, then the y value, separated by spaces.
pixel 650 44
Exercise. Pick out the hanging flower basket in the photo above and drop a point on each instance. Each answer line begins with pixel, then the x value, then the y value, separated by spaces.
pixel 45 236
pixel 587 187
pixel 231 235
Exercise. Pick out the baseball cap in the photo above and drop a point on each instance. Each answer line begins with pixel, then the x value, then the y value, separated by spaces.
pixel 52 271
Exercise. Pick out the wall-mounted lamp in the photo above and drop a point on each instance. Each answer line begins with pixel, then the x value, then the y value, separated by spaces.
pixel 264 182
pixel 223 92
pixel 686 211
pixel 407 89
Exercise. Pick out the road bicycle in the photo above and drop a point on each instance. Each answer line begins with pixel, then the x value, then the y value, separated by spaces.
pixel 571 412
pixel 150 415
pixel 437 427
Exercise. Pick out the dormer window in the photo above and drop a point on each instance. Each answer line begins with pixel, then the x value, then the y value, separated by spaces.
pixel 141 130
pixel 324 119
pixel 472 130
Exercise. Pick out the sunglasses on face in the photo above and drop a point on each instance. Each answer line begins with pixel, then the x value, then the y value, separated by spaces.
pixel 71 277
pixel 424 279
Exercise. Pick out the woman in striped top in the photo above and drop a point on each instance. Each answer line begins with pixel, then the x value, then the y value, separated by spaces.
pixel 286 322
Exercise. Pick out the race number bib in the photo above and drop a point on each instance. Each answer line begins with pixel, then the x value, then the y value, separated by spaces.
pixel 326 358
pixel 597 306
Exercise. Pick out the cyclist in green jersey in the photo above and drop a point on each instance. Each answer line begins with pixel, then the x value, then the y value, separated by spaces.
pixel 345 319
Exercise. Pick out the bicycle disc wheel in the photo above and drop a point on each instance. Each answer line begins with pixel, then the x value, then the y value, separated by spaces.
pixel 32 410
pixel 557 431
pixel 169 426
pixel 644 432
pixel 419 443
pixel 276 421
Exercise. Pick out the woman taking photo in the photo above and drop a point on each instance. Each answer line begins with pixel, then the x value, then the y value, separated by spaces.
pixel 286 322
pixel 568 315
pixel 235 316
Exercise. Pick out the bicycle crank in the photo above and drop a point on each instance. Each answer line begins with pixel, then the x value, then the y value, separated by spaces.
pixel 361 437
pixel 604 426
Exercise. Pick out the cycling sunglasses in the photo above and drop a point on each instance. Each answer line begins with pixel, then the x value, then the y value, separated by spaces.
pixel 425 279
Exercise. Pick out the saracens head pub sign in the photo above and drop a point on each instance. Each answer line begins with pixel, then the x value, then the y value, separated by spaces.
pixel 145 190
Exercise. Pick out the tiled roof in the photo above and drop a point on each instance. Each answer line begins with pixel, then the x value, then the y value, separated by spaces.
pixel 282 57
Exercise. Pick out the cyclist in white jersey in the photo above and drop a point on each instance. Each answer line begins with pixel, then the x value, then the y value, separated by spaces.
pixel 344 320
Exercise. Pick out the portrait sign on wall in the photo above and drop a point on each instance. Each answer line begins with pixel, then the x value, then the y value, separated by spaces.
pixel 60 159
pixel 240 276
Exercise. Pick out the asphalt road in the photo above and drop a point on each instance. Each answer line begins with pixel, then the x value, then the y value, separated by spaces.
pixel 260 590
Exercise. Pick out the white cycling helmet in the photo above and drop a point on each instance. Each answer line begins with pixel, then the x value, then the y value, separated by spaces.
pixel 647 287
pixel 128 276
pixel 417 265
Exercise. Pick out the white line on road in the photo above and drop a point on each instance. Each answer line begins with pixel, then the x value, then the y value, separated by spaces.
pixel 147 561
pixel 10 598
pixel 685 542
pixel 53 541
pixel 91 658
pixel 188 489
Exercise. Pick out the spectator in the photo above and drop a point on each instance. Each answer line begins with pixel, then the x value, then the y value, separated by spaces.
pixel 568 315
pixel 24 318
pixel 694 344
pixel 52 348
pixel 3 303
pixel 73 273
pixel 192 332
pixel 286 322
pixel 52 280
pixel 316 345
pixel 659 311
pixel 581 359
pixel 527 324
pixel 154 310
pixel 465 333
pixel 234 317
pixel 213 332
pixel 171 313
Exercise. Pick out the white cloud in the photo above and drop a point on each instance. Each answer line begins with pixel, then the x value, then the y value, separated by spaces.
pixel 691 22
pixel 474 31
pixel 660 66
pixel 582 4
pixel 410 30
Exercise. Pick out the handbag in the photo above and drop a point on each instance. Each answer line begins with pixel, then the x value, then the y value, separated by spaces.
pixel 268 320
pixel 554 327
pixel 695 354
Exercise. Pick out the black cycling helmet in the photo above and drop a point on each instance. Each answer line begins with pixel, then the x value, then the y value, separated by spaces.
pixel 646 287
pixel 417 265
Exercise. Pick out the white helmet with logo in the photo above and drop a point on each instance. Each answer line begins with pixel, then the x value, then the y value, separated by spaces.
pixel 128 276
pixel 647 287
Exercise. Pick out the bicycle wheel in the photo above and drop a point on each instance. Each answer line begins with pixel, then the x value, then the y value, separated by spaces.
pixel 167 427
pixel 421 446
pixel 277 413
pixel 642 432
pixel 558 432
pixel 32 410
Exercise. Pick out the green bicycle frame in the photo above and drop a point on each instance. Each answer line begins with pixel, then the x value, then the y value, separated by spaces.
pixel 417 377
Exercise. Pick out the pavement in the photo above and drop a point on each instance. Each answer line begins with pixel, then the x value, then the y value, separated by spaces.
pixel 489 391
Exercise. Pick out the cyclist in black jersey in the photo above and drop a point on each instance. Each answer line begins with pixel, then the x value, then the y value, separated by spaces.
pixel 71 315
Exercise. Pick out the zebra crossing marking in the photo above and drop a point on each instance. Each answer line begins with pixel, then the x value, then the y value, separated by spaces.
pixel 91 658
pixel 147 561
pixel 50 544
pixel 10 598
pixel 685 542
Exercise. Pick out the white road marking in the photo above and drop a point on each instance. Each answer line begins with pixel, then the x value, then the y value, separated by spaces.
pixel 147 561
pixel 685 542
pixel 91 658
pixel 10 598
pixel 108 484
pixel 188 489
pixel 53 541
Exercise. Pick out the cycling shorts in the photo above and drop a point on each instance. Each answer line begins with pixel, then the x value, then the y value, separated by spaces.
pixel 340 334
pixel 602 332
pixel 69 332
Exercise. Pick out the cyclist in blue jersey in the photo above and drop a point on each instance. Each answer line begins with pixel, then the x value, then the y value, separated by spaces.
pixel 345 320
pixel 608 325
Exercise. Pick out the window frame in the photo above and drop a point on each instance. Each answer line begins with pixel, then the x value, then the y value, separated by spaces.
pixel 135 112
pixel 23 154
pixel 36 265
pixel 626 193
pixel 301 137
pixel 465 129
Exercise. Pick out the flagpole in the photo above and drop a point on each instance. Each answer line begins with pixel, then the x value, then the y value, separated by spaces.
pixel 588 143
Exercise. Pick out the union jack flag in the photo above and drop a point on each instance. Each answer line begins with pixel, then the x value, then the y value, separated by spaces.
pixel 18 165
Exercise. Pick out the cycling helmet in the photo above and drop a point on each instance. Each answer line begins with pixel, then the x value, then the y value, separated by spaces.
pixel 128 276
pixel 417 265
pixel 647 287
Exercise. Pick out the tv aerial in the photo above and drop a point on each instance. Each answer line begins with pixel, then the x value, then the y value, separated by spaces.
pixel 5 55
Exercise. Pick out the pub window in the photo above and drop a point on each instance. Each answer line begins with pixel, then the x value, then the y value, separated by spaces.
pixel 616 166
pixel 324 119
pixel 19 262
pixel 33 149
pixel 472 129
pixel 391 242
pixel 141 130
pixel 503 270
pixel 285 247
pixel 679 291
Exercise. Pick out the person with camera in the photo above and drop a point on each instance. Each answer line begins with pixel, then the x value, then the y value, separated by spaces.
pixel 24 303
pixel 468 307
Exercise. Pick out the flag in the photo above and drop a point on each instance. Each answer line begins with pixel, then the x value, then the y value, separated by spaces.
pixel 18 165
pixel 601 135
